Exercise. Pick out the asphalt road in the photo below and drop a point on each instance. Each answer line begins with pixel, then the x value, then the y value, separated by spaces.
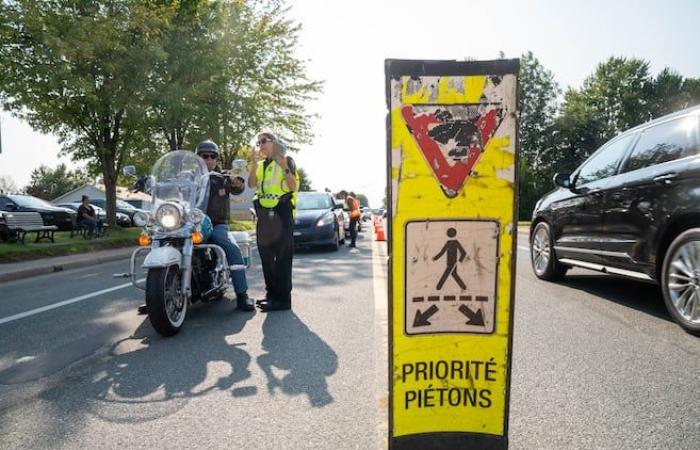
pixel 598 364
pixel 93 374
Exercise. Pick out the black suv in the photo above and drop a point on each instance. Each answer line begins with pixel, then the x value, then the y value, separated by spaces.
pixel 632 209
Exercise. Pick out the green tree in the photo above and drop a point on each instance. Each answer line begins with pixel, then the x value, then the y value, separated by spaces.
pixel 304 181
pixel 669 95
pixel 362 198
pixel 691 87
pixel 620 93
pixel 254 80
pixel 50 183
pixel 538 92
pixel 81 70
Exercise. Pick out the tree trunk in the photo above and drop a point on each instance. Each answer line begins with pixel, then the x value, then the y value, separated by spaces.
pixel 109 174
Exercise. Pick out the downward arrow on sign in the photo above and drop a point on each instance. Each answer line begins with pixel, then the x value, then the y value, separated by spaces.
pixel 421 319
pixel 475 318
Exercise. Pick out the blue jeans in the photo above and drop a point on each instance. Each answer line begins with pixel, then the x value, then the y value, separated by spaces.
pixel 233 256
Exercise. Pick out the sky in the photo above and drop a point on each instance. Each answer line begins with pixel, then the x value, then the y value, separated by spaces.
pixel 345 45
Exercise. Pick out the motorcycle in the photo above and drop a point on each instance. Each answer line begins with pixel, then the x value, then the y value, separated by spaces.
pixel 182 269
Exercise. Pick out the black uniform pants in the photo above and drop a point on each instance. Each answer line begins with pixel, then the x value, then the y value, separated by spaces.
pixel 353 231
pixel 275 238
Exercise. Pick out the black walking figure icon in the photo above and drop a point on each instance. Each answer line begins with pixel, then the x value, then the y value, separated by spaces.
pixel 451 247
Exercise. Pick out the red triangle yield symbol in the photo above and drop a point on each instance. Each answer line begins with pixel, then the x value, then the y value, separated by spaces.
pixel 452 138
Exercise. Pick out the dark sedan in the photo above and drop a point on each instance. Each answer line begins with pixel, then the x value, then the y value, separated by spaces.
pixel 62 218
pixel 318 222
pixel 122 207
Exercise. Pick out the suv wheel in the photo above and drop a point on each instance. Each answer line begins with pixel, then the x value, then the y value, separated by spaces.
pixel 544 261
pixel 680 280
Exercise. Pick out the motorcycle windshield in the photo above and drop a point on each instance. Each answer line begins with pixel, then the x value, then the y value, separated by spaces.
pixel 180 177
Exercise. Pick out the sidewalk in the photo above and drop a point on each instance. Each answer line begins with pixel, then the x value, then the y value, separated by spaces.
pixel 25 269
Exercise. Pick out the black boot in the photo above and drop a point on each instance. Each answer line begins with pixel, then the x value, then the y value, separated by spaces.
pixel 244 302
pixel 274 304
pixel 143 310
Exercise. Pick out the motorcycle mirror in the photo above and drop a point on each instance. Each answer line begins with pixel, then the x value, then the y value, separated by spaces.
pixel 129 171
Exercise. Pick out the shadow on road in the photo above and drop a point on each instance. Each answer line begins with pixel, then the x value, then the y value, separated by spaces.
pixel 147 377
pixel 638 295
pixel 301 354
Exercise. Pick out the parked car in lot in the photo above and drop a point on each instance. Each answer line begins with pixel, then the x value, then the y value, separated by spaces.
pixel 318 221
pixel 122 219
pixel 122 207
pixel 61 218
pixel 631 209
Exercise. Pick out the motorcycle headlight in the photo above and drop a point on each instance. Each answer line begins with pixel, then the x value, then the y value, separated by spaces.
pixel 325 220
pixel 140 219
pixel 196 216
pixel 168 216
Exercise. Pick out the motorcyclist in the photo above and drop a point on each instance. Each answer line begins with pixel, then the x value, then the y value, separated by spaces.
pixel 218 210
pixel 220 187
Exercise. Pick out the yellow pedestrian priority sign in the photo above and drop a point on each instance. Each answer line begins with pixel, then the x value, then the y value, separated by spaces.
pixel 452 159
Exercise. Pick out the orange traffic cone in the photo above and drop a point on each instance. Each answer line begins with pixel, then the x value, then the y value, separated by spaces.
pixel 380 233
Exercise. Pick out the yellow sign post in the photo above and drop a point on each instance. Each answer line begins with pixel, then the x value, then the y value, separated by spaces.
pixel 452 151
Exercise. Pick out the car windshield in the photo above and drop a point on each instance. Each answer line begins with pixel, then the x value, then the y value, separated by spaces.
pixel 314 201
pixel 30 202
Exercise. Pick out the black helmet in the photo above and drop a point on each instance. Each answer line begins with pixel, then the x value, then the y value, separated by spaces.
pixel 208 146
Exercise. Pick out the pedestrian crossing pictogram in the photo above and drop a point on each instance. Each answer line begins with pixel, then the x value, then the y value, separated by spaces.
pixel 451 271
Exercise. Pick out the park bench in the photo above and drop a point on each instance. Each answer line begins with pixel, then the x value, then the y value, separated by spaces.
pixel 19 224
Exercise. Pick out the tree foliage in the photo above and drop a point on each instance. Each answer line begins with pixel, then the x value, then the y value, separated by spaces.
pixel 304 181
pixel 122 81
pixel 558 134
pixel 50 183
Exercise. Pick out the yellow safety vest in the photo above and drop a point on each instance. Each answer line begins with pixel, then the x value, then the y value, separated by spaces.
pixel 272 184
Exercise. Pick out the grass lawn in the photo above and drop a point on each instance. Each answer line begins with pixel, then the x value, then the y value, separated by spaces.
pixel 65 245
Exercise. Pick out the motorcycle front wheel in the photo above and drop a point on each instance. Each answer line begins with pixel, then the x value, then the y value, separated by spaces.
pixel 167 306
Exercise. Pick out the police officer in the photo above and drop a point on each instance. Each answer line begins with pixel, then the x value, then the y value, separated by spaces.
pixel 220 187
pixel 275 180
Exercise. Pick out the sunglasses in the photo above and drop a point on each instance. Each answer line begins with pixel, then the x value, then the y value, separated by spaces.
pixel 208 156
pixel 264 141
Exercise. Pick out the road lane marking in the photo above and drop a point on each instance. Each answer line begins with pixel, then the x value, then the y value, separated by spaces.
pixel 70 301
pixel 523 248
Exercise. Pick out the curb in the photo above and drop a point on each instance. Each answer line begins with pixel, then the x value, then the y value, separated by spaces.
pixel 51 268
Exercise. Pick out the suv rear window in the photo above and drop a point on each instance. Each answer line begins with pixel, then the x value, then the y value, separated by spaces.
pixel 665 142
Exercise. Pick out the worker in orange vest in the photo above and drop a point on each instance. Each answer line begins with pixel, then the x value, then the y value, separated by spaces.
pixel 353 207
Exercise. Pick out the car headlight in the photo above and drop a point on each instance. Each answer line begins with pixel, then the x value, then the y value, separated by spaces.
pixel 196 216
pixel 168 216
pixel 325 220
pixel 140 219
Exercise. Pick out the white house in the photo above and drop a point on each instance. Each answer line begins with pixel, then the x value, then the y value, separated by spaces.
pixel 139 199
